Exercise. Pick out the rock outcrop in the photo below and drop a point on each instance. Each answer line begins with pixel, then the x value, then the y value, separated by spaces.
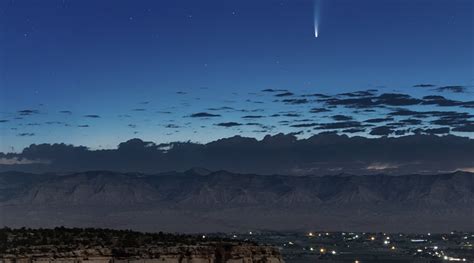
pixel 205 253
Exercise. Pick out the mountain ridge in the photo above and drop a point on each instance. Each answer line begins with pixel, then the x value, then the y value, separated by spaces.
pixel 221 196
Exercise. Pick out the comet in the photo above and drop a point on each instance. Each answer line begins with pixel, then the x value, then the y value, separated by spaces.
pixel 315 28
pixel 316 15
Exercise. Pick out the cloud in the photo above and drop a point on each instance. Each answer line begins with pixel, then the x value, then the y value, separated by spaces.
pixel 28 112
pixel 290 114
pixel 393 99
pixel 382 166
pixel 442 130
pixel 454 119
pixel 3 121
pixel 83 126
pixel 466 169
pixel 379 120
pixel 319 110
pixel 54 122
pixel 253 124
pixel 466 127
pixel 228 124
pixel 280 153
pixel 26 134
pixel 401 132
pixel 304 125
pixel 424 86
pixel 443 102
pixel 363 93
pixel 172 126
pixel 454 89
pixel 341 118
pixel 66 112
pixel 274 90
pixel 445 117
pixel 93 116
pixel 382 131
pixel 340 125
pixel 410 122
pixel 284 94
pixel 318 95
pixel 33 124
pixel 295 101
pixel 21 161
pixel 221 108
pixel 204 115
pixel 353 130
pixel 252 117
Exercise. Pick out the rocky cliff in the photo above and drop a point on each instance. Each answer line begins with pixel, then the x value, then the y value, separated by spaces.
pixel 206 253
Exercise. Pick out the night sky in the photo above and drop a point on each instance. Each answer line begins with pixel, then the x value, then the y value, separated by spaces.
pixel 97 73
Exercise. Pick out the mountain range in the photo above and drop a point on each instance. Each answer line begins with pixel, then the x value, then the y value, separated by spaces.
pixel 199 200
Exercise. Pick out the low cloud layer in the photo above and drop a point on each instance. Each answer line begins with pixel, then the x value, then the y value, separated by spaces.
pixel 321 154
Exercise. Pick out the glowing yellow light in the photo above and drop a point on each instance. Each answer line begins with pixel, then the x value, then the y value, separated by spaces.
pixel 372 238
pixel 322 250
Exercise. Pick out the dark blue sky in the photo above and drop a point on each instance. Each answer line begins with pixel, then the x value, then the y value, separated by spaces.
pixel 129 61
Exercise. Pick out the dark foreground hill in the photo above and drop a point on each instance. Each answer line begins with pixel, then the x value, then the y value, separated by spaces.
pixel 198 200
pixel 105 245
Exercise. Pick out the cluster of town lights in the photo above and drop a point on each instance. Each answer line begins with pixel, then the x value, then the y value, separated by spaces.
pixel 387 241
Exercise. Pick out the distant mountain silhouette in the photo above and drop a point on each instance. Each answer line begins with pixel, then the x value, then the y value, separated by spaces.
pixel 201 200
